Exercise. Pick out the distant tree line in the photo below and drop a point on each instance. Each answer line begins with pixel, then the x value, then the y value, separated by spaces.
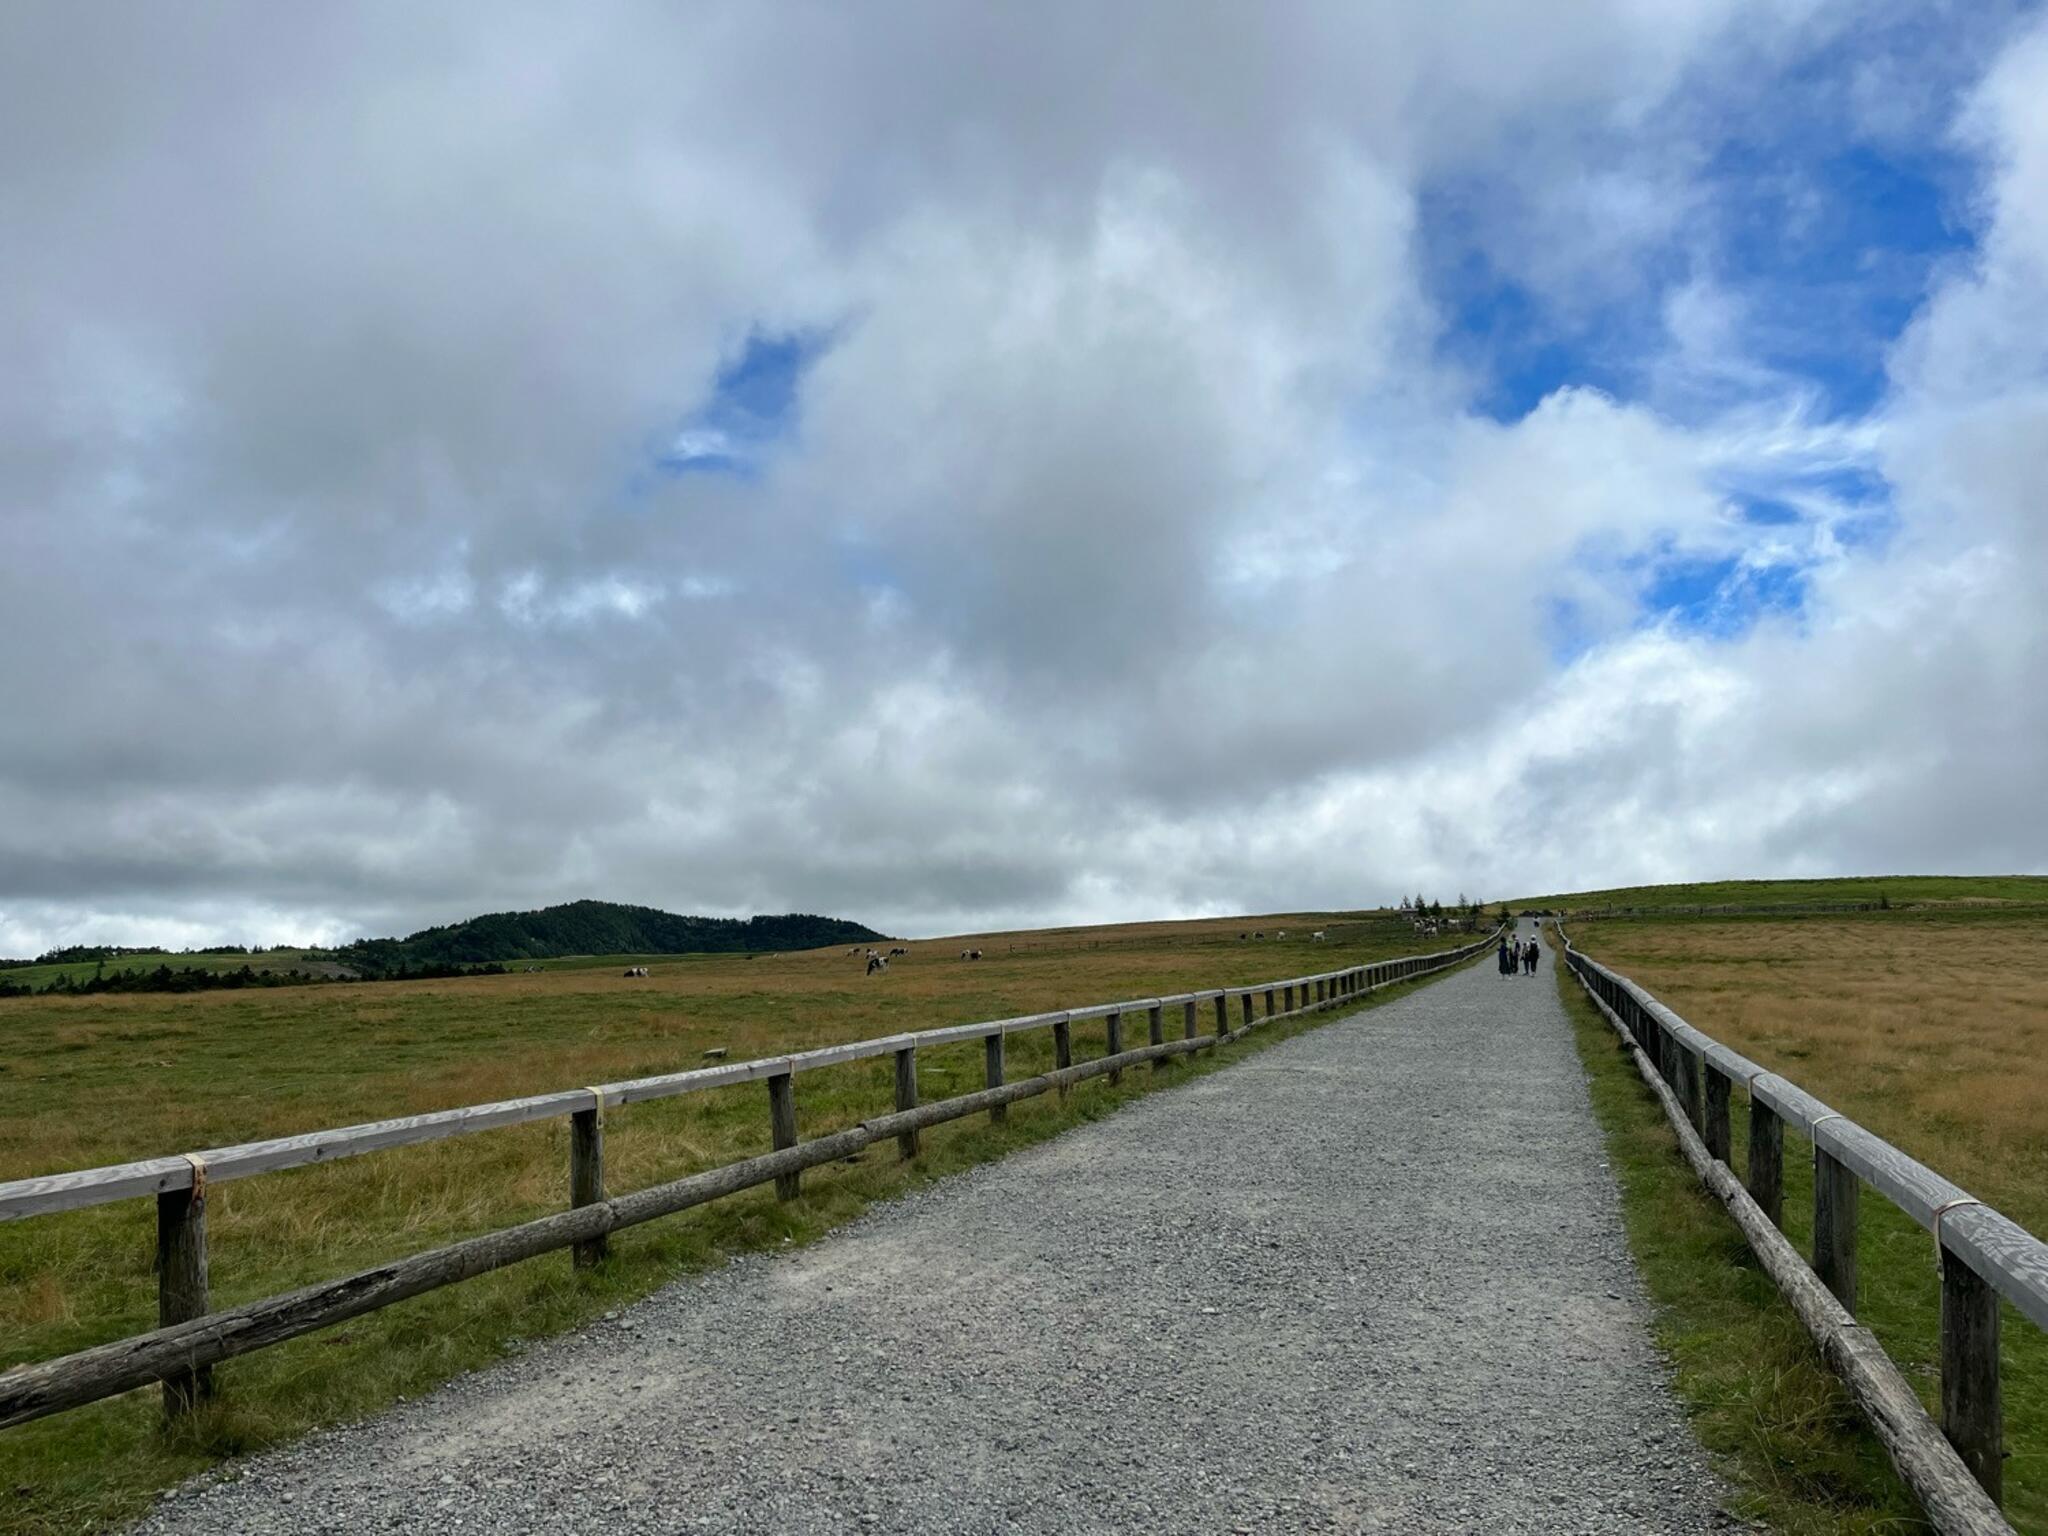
pixel 1464 910
pixel 166 979
pixel 73 954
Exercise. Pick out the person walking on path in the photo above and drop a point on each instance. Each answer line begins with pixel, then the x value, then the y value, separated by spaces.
pixel 1530 956
pixel 1507 966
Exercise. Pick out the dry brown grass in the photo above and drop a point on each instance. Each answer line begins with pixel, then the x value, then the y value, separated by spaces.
pixel 1932 1032
pixel 101 1079
pixel 1929 1028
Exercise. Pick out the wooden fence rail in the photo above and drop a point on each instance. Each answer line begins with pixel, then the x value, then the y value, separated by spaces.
pixel 191 1339
pixel 1957 1472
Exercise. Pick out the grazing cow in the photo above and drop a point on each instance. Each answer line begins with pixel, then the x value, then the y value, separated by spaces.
pixel 1319 936
pixel 636 970
pixel 898 950
pixel 877 963
pixel 1258 935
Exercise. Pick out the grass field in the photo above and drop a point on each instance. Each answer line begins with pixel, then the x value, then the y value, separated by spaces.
pixel 1899 890
pixel 85 1081
pixel 1929 1028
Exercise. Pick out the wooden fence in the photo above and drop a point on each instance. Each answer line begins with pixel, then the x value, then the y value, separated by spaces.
pixel 1956 1471
pixel 191 1339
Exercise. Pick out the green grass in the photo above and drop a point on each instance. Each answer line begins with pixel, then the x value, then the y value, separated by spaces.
pixel 1762 1402
pixel 207 1069
pixel 1896 889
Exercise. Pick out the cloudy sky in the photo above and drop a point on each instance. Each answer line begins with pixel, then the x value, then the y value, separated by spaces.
pixel 957 466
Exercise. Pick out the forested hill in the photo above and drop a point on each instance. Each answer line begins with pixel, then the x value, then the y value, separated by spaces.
pixel 595 928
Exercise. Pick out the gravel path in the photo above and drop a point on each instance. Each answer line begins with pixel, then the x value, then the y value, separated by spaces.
pixel 1370 1279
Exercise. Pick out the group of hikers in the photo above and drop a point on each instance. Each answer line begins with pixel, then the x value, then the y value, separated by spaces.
pixel 1516 956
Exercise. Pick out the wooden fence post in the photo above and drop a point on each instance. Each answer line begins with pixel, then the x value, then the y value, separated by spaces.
pixel 1063 1047
pixel 1287 996
pixel 906 1096
pixel 782 1122
pixel 1715 1132
pixel 1767 1161
pixel 1156 1031
pixel 992 1057
pixel 1222 1017
pixel 1688 1064
pixel 1835 1191
pixel 586 1178
pixel 1188 1025
pixel 181 1291
pixel 1245 1009
pixel 1269 1002
pixel 1972 1410
pixel 1113 1031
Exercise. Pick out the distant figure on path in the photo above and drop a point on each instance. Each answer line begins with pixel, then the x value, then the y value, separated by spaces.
pixel 1529 957
pixel 1507 965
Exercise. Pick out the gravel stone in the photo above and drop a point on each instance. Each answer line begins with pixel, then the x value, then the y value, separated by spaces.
pixel 1370 1279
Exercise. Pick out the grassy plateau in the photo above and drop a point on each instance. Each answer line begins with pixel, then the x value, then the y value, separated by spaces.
pixel 92 1080
pixel 1929 1026
pixel 1898 890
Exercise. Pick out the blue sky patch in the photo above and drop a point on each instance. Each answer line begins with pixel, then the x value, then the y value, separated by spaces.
pixel 1722 598
pixel 1765 512
pixel 1822 244
pixel 753 405
pixel 1495 327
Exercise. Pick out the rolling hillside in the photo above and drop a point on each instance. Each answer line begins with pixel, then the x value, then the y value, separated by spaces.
pixel 596 928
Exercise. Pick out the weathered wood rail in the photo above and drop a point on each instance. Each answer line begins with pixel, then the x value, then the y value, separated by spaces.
pixel 1956 1471
pixel 191 1339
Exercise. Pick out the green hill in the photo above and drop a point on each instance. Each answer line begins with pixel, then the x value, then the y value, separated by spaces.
pixel 595 928
pixel 1867 890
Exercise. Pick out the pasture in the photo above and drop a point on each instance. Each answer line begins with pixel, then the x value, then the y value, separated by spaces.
pixel 85 1081
pixel 1931 1029
pixel 1898 890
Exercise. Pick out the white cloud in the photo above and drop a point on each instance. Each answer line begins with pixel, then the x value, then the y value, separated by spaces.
pixel 1135 547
